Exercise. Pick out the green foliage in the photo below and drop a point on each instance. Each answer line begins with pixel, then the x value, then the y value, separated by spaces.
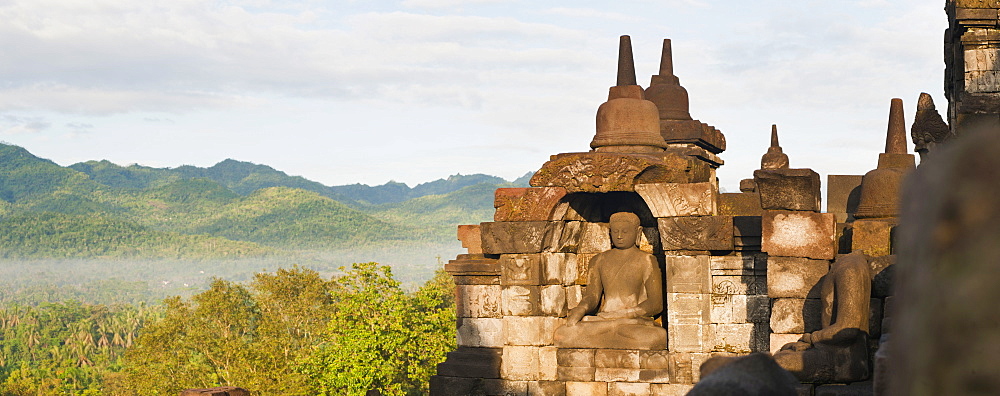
pixel 438 215
pixel 380 337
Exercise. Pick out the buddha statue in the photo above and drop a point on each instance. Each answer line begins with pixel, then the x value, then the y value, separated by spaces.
pixel 623 293
pixel 838 352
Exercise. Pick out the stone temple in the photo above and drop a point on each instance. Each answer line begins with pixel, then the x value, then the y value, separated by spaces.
pixel 624 271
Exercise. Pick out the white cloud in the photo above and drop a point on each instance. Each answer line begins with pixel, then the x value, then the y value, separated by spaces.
pixel 12 124
pixel 591 13
pixel 449 3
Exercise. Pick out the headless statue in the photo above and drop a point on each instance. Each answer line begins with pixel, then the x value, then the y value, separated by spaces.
pixel 623 293
pixel 839 351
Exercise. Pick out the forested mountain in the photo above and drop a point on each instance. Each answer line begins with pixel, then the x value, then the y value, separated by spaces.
pixel 232 209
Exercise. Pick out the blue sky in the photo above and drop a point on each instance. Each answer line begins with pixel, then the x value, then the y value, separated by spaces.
pixel 414 90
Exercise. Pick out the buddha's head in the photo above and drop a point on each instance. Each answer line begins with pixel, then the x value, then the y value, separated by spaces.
pixel 625 229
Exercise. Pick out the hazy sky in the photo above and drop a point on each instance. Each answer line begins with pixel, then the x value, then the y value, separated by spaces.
pixel 415 90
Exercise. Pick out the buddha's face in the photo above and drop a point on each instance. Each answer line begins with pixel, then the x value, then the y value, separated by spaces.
pixel 624 235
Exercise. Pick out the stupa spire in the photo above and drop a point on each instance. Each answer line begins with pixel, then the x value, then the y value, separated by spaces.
pixel 626 64
pixel 775 158
pixel 895 138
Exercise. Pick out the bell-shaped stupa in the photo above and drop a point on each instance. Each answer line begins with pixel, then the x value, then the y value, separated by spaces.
pixel 880 187
pixel 774 158
pixel 627 122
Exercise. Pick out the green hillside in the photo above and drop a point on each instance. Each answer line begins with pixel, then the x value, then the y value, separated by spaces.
pixel 97 209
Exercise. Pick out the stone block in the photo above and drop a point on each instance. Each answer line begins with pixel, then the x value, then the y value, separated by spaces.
pixel 547 388
pixel 526 204
pixel 476 280
pixel 655 360
pixel 780 340
pixel 571 357
pixel 594 238
pixel 680 199
pixel 882 270
pixel 689 338
pixel 548 363
pixel 587 388
pixel 520 363
pixel 853 389
pixel 805 390
pixel 616 358
pixel 696 233
pixel 682 368
pixel 480 332
pixel 608 374
pixel 454 386
pixel 688 274
pixel 472 362
pixel 688 309
pixel 739 284
pixel 521 269
pixel 583 267
pixel 557 267
pixel 794 277
pixel 473 265
pixel 553 300
pixel 654 375
pixel 983 14
pixel 873 236
pixel 582 374
pixel 747 226
pixel 740 337
pixel 516 236
pixel 740 204
pixel 504 387
pixel 471 240
pixel 796 315
pixel 843 233
pixel 788 189
pixel 628 389
pixel 650 241
pixel 670 389
pixel 477 301
pixel 740 308
pixel 739 261
pixel 521 300
pixel 875 318
pixel 567 239
pixel 798 234
pixel 843 192
pixel 573 295
pixel 530 330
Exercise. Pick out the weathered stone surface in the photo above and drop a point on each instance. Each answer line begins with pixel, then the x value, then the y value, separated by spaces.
pixel 649 240
pixel 476 280
pixel 853 389
pixel 796 315
pixel 929 129
pixel 739 337
pixel 689 308
pixel 616 358
pixel 454 386
pixel 780 340
pixel 754 374
pixel 504 387
pixel 521 269
pixel 670 389
pixel 471 240
pixel 655 360
pixel 740 308
pixel 788 189
pixel 477 301
pixel 654 375
pixel 875 318
pixel 684 366
pixel 573 357
pixel 520 363
pixel 880 187
pixel 608 374
pixel 565 237
pixel 628 389
pixel 472 362
pixel 558 268
pixel 548 363
pixel 573 295
pixel 883 269
pixel 680 199
pixel 804 390
pixel 688 274
pixel 842 195
pixel 739 261
pixel 473 265
pixel 530 330
pixel 774 158
pixel 583 267
pixel 798 234
pixel 547 388
pixel 689 337
pixel 594 238
pixel 553 300
pixel 582 374
pixel 793 277
pixel 739 284
pixel 480 332
pixel 740 204
pixel 606 172
pixel 587 388
pixel 521 300
pixel 526 204
pixel 873 236
pixel 515 236
pixel 697 233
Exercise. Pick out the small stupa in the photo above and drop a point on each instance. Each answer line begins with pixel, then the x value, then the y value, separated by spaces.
pixel 880 186
pixel 774 158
